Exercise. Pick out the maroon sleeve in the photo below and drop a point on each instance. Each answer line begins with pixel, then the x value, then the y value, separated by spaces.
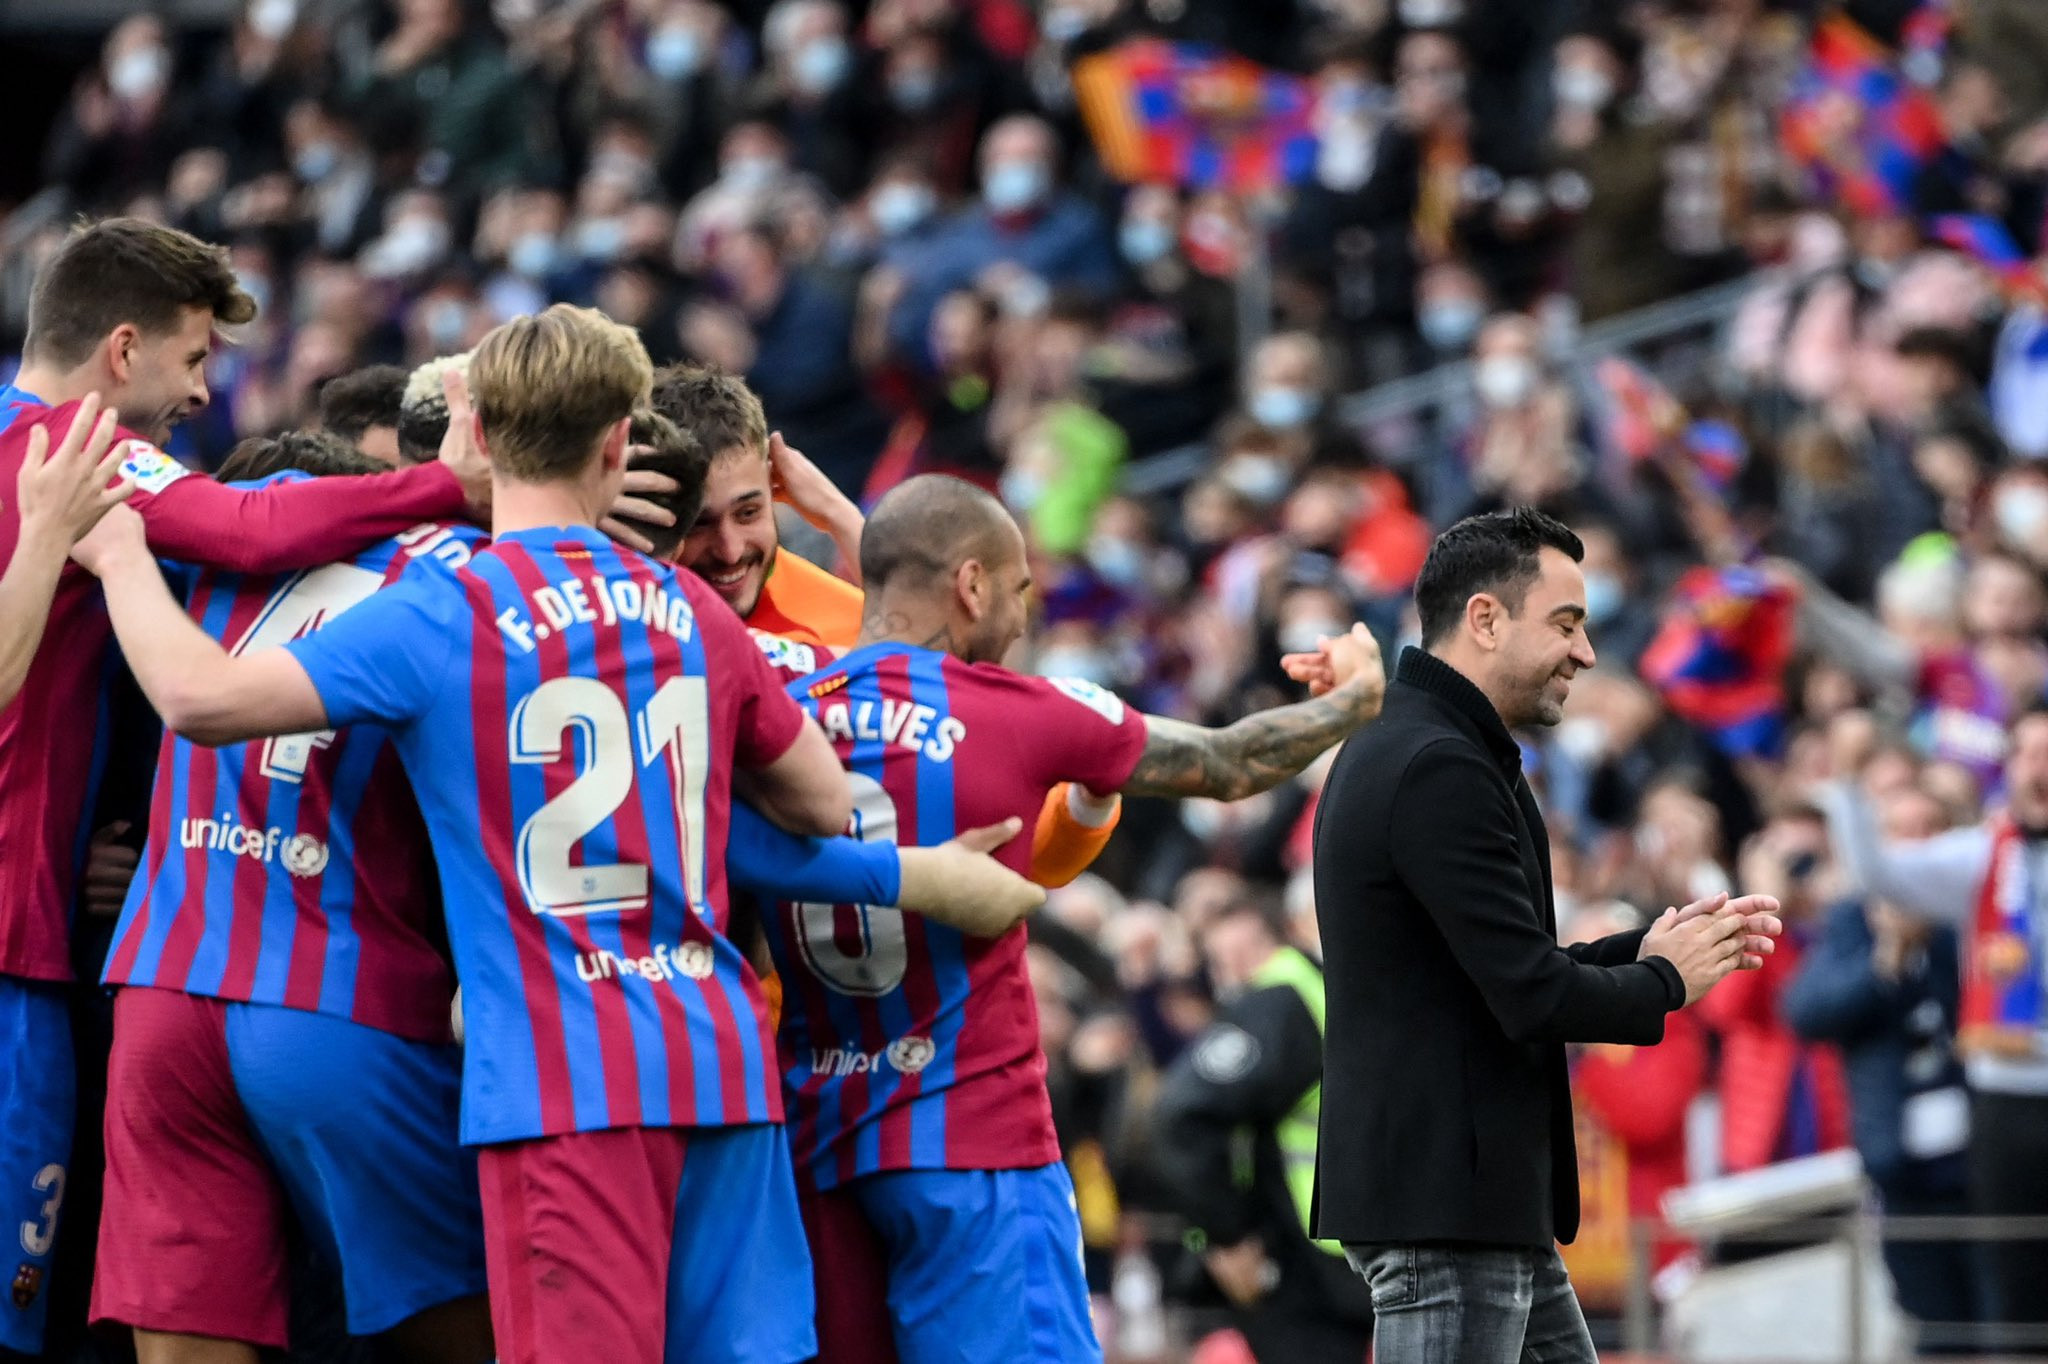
pixel 1084 732
pixel 282 526
pixel 765 720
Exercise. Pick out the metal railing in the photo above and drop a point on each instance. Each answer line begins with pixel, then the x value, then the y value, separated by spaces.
pixel 1863 1233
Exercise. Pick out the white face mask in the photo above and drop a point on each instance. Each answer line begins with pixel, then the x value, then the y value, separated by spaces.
pixel 674 52
pixel 900 206
pixel 1583 739
pixel 1431 13
pixel 272 19
pixel 139 74
pixel 1261 478
pixel 1089 665
pixel 411 246
pixel 1302 636
pixel 1504 381
pixel 2021 511
pixel 751 173
pixel 821 64
pixel 1344 158
pixel 1582 87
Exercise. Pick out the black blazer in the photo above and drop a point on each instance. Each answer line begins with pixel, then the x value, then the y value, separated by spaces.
pixel 1446 1107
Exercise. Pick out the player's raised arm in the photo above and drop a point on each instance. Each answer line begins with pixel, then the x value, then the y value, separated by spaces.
pixel 1263 750
pixel 58 499
pixel 201 691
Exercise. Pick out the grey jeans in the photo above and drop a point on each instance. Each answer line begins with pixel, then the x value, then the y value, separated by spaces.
pixel 1440 1304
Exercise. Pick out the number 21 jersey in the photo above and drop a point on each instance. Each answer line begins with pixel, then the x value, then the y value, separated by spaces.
pixel 570 714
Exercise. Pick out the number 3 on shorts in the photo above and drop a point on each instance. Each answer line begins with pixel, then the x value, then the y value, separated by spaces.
pixel 39 1233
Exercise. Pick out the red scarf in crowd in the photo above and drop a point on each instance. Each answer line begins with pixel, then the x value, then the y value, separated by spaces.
pixel 2001 1008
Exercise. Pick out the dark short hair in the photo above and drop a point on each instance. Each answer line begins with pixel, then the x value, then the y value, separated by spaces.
pixel 1966 353
pixel 322 454
pixel 681 456
pixel 1496 552
pixel 352 403
pixel 925 528
pixel 126 270
pixel 715 407
pixel 1263 906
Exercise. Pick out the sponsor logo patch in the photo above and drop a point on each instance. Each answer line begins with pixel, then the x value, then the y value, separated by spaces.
pixel 150 468
pixel 1098 699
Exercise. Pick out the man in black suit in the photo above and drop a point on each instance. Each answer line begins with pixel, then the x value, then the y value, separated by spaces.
pixel 1446 1164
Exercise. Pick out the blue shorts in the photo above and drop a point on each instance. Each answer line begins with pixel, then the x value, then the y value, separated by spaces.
pixel 221 1114
pixel 39 1099
pixel 983 1265
pixel 644 1243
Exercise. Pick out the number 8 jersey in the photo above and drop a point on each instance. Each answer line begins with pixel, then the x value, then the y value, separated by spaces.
pixel 570 714
pixel 907 1045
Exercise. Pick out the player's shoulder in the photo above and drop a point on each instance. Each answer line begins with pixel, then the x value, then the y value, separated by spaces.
pixel 1056 692
pixel 142 461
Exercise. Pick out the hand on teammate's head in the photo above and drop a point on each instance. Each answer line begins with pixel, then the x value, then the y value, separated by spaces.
pixel 461 450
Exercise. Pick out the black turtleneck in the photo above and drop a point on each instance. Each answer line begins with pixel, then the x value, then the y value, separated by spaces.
pixel 1419 668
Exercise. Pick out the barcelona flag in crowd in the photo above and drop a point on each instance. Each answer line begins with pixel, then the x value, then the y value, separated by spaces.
pixel 1857 127
pixel 1987 241
pixel 1197 117
pixel 1719 658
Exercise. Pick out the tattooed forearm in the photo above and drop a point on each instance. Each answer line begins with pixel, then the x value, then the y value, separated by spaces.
pixel 1253 755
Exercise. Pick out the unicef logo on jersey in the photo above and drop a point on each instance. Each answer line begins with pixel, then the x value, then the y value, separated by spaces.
pixel 911 1054
pixel 300 854
pixel 304 856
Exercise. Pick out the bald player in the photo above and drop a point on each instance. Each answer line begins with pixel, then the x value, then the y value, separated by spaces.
pixel 910 1054
pixel 733 544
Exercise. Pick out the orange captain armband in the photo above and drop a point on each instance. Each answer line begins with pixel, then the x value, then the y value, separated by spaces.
pixel 1073 828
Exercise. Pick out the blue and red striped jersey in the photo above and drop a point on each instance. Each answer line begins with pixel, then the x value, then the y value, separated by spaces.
pixel 570 714
pixel 53 737
pixel 906 1044
pixel 295 870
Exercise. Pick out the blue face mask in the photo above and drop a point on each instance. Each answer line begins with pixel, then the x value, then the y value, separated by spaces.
pixel 600 239
pixel 533 255
pixel 316 161
pixel 751 173
pixel 1022 490
pixel 1015 186
pixel 915 91
pixel 1283 407
pixel 1604 597
pixel 899 207
pixel 821 65
pixel 1451 324
pixel 257 288
pixel 447 323
pixel 673 53
pixel 1117 562
pixel 1145 240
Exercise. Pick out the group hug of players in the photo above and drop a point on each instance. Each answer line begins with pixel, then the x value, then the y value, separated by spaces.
pixel 628 810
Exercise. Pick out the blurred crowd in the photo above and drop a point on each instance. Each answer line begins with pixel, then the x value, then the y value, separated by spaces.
pixel 889 218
